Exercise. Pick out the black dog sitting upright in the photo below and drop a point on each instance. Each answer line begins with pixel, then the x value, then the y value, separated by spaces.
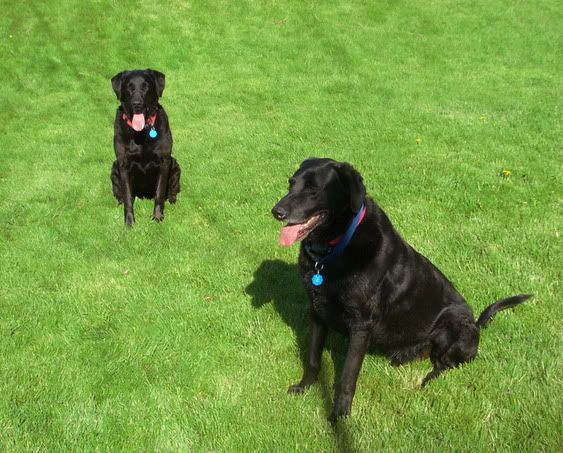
pixel 364 280
pixel 143 144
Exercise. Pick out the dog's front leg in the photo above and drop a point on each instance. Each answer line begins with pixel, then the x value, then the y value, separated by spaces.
pixel 317 337
pixel 359 342
pixel 161 188
pixel 128 198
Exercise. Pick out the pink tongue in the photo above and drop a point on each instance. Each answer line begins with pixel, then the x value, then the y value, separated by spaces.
pixel 138 122
pixel 289 234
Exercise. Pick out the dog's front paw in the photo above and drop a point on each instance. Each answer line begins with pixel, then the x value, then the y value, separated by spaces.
pixel 129 219
pixel 158 215
pixel 296 389
pixel 342 408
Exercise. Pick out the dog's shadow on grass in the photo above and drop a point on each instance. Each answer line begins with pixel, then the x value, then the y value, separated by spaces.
pixel 279 283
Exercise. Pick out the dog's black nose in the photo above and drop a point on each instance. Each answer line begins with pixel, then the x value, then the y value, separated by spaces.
pixel 279 212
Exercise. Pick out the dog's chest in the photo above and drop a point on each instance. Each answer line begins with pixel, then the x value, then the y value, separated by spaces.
pixel 343 302
pixel 142 156
pixel 332 303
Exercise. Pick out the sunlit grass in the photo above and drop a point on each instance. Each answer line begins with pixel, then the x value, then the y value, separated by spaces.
pixel 184 336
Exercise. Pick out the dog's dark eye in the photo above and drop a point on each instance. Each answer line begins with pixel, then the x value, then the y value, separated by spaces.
pixel 145 86
pixel 291 181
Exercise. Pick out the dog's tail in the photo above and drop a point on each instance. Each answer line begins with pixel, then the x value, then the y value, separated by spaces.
pixel 502 304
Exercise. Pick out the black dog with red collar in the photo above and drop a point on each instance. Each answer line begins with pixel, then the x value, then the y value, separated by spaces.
pixel 144 166
pixel 149 125
pixel 369 283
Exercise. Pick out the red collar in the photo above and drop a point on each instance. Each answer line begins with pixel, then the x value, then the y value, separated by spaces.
pixel 337 239
pixel 150 120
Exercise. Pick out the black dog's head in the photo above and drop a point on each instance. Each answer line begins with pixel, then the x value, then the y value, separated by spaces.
pixel 324 195
pixel 138 92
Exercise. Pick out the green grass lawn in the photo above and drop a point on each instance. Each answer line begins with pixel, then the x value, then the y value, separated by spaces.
pixel 184 336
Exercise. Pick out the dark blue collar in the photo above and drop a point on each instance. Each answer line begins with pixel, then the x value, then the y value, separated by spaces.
pixel 317 279
pixel 346 238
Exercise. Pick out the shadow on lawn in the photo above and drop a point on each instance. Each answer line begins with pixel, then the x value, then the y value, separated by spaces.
pixel 278 282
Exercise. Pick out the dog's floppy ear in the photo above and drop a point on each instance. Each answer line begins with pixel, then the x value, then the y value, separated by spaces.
pixel 116 81
pixel 354 183
pixel 159 79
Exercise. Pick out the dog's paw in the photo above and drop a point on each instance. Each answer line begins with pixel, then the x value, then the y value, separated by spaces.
pixel 129 219
pixel 296 389
pixel 158 214
pixel 335 417
pixel 342 408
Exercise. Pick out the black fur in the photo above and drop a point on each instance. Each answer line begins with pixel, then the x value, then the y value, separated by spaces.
pixel 380 291
pixel 144 167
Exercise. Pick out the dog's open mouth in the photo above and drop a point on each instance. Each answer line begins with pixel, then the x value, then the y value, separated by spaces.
pixel 138 121
pixel 294 232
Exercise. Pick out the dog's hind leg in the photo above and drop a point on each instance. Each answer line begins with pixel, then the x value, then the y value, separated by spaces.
pixel 432 375
pixel 455 334
pixel 408 354
pixel 454 340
